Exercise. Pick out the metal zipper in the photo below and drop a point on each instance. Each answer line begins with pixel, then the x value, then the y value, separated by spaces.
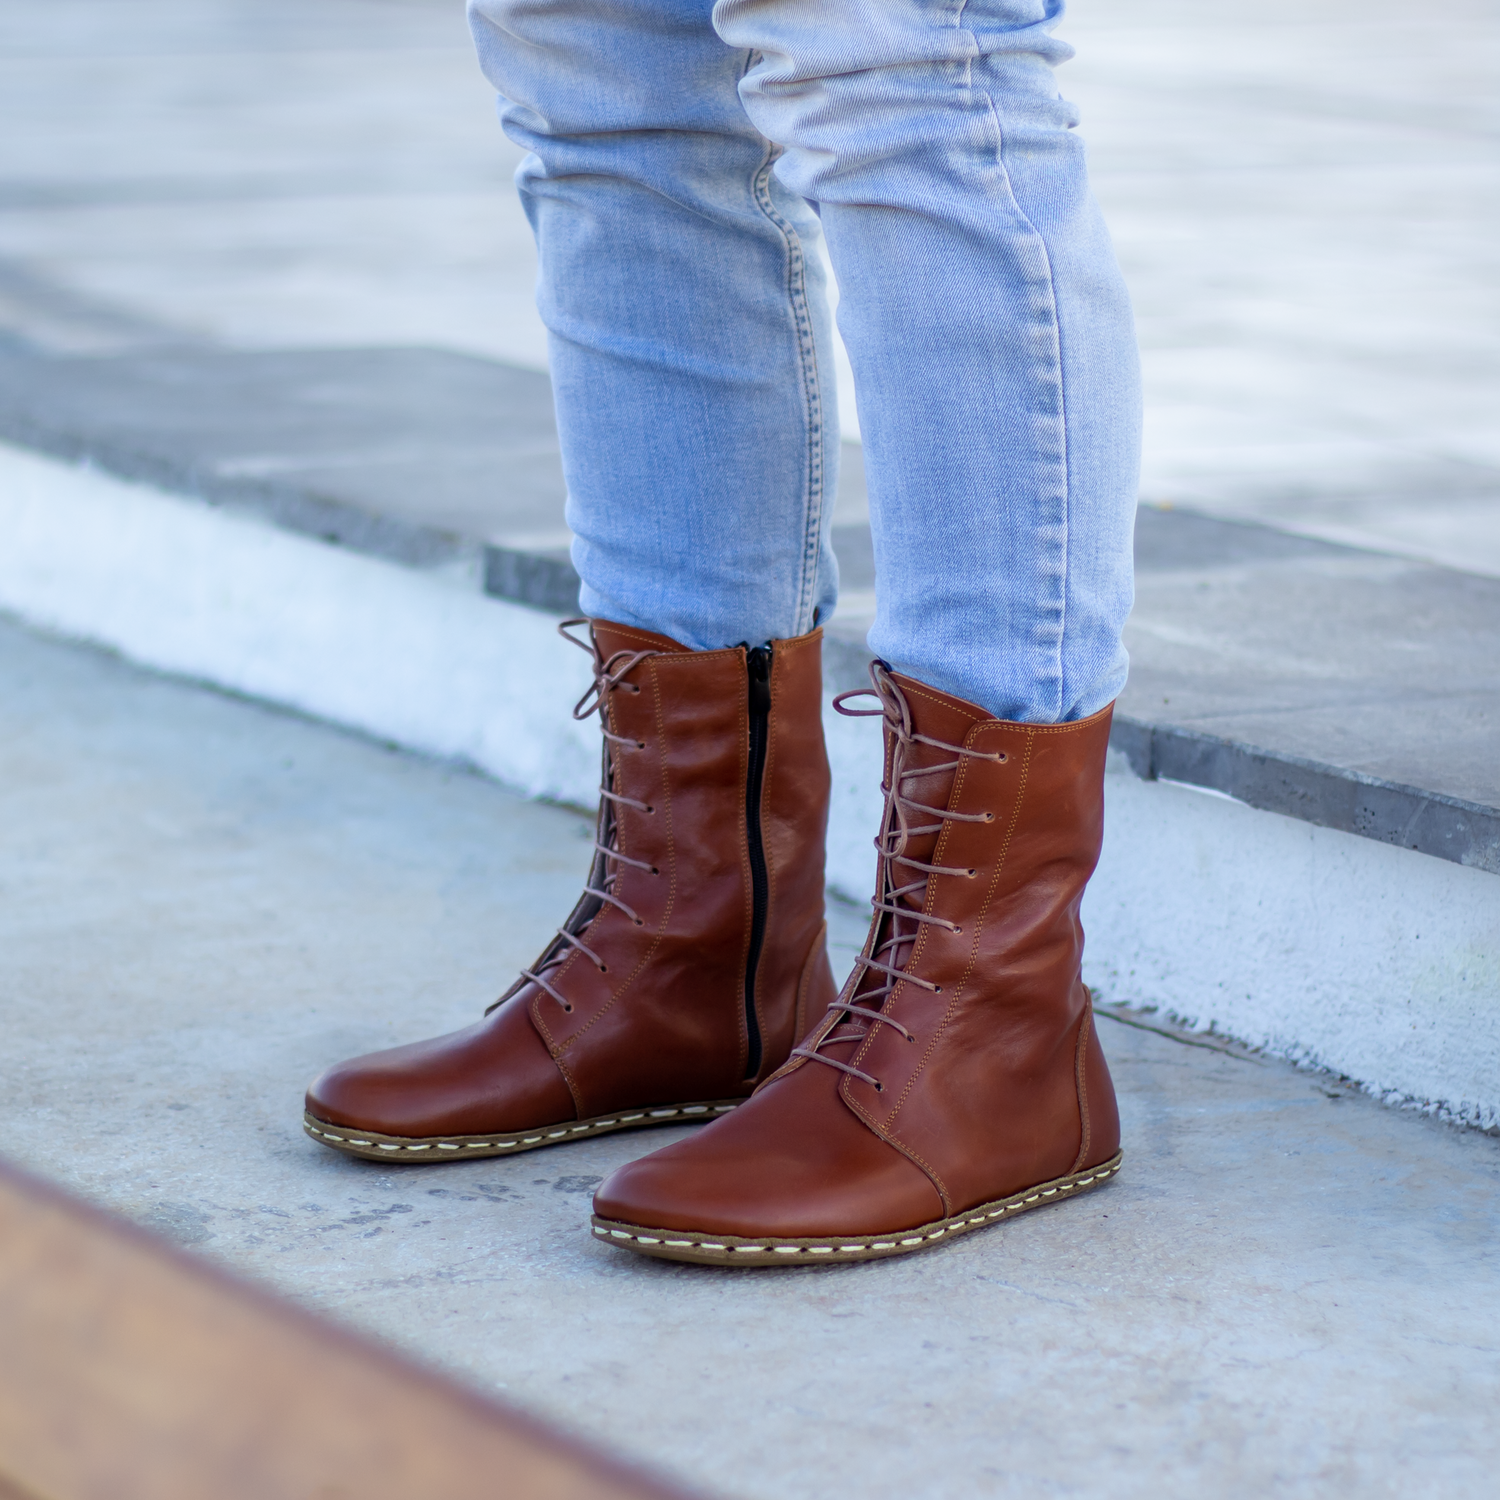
pixel 758 671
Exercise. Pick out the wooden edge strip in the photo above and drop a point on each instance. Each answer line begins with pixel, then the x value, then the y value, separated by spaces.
pixel 132 1371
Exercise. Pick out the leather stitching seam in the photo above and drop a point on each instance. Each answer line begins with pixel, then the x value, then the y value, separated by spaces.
pixel 958 991
pixel 885 1129
pixel 746 877
pixel 542 1133
pixel 979 921
pixel 1080 1070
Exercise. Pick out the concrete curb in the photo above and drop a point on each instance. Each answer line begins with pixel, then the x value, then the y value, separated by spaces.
pixel 1380 963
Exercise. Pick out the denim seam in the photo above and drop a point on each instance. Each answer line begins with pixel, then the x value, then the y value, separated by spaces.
pixel 1062 413
pixel 807 354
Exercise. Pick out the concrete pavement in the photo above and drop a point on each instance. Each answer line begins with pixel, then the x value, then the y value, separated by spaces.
pixel 202 901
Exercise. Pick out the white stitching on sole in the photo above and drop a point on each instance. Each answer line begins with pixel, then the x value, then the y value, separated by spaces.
pixel 587 1128
pixel 1099 1175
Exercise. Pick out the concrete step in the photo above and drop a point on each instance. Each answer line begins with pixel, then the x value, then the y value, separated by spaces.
pixel 1304 814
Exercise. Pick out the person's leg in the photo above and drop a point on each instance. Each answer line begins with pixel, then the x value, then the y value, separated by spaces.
pixel 687 326
pixel 689 331
pixel 958 1078
pixel 989 328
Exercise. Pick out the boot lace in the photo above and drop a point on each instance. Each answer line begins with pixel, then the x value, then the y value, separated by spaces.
pixel 901 879
pixel 610 674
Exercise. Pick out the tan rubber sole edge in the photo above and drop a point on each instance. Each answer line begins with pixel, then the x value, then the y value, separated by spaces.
pixel 416 1150
pixel 728 1250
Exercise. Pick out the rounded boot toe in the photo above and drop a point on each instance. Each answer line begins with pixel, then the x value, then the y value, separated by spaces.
pixel 794 1168
pixel 494 1075
pixel 664 1195
pixel 357 1094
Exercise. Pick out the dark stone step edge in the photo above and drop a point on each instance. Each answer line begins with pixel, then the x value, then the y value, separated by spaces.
pixel 1389 812
pixel 290 504
pixel 1310 791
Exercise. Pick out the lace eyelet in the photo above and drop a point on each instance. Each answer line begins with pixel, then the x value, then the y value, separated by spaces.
pixel 640 744
pixel 973 873
pixel 650 809
pixel 568 1009
pixel 880 1088
pixel 654 870
pixel 604 968
pixel 989 817
pixel 639 923
pixel 1003 757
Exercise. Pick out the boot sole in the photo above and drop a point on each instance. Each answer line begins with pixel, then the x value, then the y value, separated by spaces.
pixel 374 1146
pixel 729 1250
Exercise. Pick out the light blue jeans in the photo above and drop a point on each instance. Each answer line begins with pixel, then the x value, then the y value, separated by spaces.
pixel 681 157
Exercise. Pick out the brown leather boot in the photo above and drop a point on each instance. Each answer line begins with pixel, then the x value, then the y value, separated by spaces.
pixel 958 1079
pixel 696 956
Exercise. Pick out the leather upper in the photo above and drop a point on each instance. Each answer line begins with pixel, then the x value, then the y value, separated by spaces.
pixel 1000 1084
pixel 661 1017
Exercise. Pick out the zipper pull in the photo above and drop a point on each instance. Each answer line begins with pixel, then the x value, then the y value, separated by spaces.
pixel 758 666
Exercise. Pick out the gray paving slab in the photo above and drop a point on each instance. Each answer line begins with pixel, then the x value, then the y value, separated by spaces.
pixel 1353 689
pixel 1349 688
pixel 1290 1289
pixel 421 456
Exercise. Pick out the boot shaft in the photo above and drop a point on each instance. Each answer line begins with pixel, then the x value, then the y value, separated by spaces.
pixel 717 806
pixel 1026 806
pixel 992 831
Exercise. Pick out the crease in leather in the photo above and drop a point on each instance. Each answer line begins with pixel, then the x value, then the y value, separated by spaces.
pixel 1080 1075
pixel 815 969
pixel 794 816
